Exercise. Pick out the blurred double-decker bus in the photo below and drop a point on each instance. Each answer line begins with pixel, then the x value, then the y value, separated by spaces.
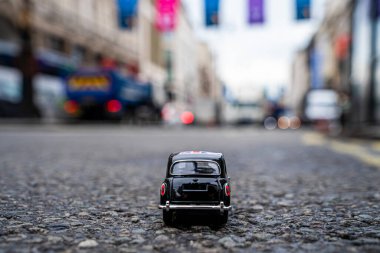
pixel 106 94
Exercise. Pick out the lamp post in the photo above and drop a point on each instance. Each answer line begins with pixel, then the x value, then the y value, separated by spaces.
pixel 26 62
pixel 373 61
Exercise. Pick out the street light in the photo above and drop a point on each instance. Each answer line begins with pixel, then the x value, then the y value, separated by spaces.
pixel 26 62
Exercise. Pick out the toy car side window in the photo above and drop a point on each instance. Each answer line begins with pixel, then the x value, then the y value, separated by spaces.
pixel 195 167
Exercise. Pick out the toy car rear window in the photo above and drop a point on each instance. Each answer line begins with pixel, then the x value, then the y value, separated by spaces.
pixel 195 168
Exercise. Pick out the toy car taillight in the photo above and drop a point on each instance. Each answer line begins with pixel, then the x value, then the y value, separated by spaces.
pixel 163 189
pixel 227 190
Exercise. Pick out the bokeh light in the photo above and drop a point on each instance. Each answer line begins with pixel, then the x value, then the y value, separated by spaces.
pixel 295 122
pixel 283 122
pixel 270 123
pixel 114 106
pixel 71 107
pixel 187 117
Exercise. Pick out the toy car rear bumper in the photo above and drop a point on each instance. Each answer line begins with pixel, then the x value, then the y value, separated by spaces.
pixel 220 207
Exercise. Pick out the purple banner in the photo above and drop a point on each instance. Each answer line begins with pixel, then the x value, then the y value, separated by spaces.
pixel 256 11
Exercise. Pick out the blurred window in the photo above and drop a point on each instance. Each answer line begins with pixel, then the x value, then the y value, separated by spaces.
pixel 156 53
pixel 49 94
pixel 195 168
pixel 79 53
pixel 361 46
pixel 10 85
pixel 56 43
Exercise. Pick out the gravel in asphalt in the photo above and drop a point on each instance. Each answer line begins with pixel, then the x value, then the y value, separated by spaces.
pixel 87 188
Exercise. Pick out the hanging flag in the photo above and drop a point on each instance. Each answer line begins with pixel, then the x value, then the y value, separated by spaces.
pixel 373 9
pixel 166 15
pixel 255 11
pixel 303 9
pixel 342 46
pixel 228 94
pixel 316 61
pixel 211 12
pixel 127 10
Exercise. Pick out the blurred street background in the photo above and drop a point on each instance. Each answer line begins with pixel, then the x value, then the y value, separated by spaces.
pixel 95 95
pixel 206 63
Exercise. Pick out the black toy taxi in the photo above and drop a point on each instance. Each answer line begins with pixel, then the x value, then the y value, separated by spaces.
pixel 196 181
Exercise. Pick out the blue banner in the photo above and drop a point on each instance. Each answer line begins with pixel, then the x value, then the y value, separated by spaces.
pixel 228 94
pixel 303 9
pixel 211 12
pixel 316 61
pixel 127 10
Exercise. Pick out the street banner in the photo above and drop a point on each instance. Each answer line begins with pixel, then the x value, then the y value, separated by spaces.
pixel 211 12
pixel 166 15
pixel 316 61
pixel 127 11
pixel 303 9
pixel 255 11
pixel 228 94
pixel 373 9
pixel 342 46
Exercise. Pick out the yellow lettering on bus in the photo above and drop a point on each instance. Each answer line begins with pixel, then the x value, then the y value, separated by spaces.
pixel 89 83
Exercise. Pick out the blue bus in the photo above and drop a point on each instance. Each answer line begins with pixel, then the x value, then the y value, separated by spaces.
pixel 104 94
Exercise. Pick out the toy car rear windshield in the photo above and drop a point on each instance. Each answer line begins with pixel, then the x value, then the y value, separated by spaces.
pixel 195 168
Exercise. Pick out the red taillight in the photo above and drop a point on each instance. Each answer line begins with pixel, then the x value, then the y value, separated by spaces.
pixel 71 107
pixel 227 190
pixel 163 189
pixel 113 106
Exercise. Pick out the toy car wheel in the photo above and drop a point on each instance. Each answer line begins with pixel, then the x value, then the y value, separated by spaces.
pixel 167 217
pixel 223 218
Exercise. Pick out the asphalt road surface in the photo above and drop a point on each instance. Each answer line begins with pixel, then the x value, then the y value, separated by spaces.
pixel 96 188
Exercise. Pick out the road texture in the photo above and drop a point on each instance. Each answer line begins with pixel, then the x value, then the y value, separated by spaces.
pixel 96 188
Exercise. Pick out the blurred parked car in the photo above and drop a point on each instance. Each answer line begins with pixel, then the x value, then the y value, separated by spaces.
pixel 323 110
pixel 322 105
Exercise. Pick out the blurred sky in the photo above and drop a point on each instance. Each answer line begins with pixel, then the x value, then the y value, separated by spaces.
pixel 260 55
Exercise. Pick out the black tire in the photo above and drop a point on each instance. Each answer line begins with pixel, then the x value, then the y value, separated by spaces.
pixel 223 218
pixel 167 216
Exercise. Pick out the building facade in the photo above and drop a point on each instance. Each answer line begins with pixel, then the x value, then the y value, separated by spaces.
pixel 365 68
pixel 344 56
pixel 183 47
pixel 209 92
pixel 300 80
pixel 69 34
pixel 192 81
pixel 75 32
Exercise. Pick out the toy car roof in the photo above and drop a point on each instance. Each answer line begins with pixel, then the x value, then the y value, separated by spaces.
pixel 197 155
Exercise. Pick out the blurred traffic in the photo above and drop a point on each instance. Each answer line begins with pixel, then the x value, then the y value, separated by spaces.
pixel 153 62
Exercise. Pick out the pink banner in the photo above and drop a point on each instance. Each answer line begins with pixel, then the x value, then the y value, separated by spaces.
pixel 166 15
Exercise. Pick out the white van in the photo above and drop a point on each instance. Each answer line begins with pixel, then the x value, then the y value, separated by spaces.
pixel 322 105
